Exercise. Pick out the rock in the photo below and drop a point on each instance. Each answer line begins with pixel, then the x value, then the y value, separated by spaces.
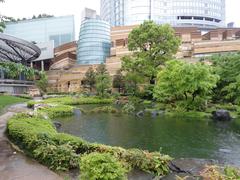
pixel 190 168
pixel 39 106
pixel 57 124
pixel 156 113
pixel 140 114
pixel 77 112
pixel 221 115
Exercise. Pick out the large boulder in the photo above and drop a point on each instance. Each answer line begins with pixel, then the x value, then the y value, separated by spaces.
pixel 221 115
pixel 58 125
pixel 140 114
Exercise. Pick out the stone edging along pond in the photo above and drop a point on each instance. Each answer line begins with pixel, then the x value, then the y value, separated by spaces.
pixel 35 134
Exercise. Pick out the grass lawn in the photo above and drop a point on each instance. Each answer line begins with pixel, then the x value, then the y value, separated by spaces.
pixel 9 100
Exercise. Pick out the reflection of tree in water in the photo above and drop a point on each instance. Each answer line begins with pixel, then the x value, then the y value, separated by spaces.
pixel 178 137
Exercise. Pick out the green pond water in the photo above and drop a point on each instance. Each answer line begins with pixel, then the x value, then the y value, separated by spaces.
pixel 179 137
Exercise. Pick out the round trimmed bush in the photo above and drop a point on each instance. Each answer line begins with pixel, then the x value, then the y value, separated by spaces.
pixel 101 166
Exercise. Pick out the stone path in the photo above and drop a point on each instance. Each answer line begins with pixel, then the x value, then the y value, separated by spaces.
pixel 14 165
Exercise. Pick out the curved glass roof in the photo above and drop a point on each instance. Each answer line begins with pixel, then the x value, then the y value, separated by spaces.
pixel 17 50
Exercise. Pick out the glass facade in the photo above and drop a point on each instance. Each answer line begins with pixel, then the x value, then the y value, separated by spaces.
pixel 200 13
pixel 59 29
pixel 94 42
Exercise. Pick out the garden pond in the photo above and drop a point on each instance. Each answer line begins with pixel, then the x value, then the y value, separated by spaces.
pixel 179 137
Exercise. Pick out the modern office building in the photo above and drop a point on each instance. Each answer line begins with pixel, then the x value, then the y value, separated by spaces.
pixel 94 40
pixel 59 29
pixel 205 14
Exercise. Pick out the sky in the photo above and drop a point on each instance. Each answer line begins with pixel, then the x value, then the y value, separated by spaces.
pixel 28 8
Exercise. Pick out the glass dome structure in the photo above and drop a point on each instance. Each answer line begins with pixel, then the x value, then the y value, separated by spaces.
pixel 17 50
pixel 94 42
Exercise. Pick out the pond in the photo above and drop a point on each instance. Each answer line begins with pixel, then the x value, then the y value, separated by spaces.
pixel 178 137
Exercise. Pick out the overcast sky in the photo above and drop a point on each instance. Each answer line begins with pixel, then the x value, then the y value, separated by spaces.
pixel 27 8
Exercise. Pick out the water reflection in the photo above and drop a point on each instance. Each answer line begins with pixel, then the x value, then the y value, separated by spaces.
pixel 178 137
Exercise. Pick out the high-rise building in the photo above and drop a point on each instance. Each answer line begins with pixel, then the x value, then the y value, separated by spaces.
pixel 59 29
pixel 205 14
pixel 94 39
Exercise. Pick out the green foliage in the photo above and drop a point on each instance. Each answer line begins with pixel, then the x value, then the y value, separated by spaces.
pixel 118 81
pixel 57 157
pixel 24 130
pixel 2 24
pixel 104 109
pixel 232 173
pixel 39 139
pixel 227 67
pixel 101 166
pixel 152 45
pixel 132 81
pixel 148 162
pixel 57 111
pixel 129 108
pixel 189 84
pixel 42 82
pixel 9 100
pixel 103 81
pixel 14 70
pixel 90 78
pixel 30 104
pixel 215 172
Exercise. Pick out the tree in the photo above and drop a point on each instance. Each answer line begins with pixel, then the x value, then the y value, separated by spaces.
pixel 103 80
pixel 227 67
pixel 118 81
pixel 132 81
pixel 185 82
pixel 42 82
pixel 152 45
pixel 2 24
pixel 90 78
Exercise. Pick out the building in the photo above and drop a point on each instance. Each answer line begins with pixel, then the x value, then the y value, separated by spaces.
pixel 94 39
pixel 41 30
pixel 47 54
pixel 194 45
pixel 205 14
pixel 64 56
pixel 16 50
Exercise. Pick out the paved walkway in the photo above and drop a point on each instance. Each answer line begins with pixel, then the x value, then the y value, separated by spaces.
pixel 14 165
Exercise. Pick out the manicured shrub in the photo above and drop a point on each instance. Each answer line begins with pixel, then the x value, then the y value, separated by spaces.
pixel 30 104
pixel 57 111
pixel 24 130
pixel 57 157
pixel 101 166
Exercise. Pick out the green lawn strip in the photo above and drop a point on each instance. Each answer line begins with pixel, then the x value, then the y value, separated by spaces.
pixel 79 100
pixel 39 139
pixel 10 100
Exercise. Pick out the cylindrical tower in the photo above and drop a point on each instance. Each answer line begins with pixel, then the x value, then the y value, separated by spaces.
pixel 94 42
pixel 205 14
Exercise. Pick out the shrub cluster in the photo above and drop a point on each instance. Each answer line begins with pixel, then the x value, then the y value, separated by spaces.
pixel 57 111
pixel 106 167
pixel 215 172
pixel 30 104
pixel 39 139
